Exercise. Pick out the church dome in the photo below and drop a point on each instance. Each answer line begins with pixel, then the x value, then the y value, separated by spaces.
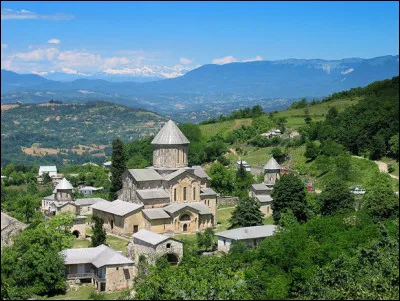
pixel 170 134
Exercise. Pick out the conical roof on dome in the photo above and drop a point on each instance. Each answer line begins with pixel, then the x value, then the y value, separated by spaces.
pixel 170 134
pixel 272 164
pixel 64 184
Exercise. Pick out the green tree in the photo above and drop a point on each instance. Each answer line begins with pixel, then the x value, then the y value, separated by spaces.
pixel 243 180
pixel 247 213
pixel 222 179
pixel 377 147
pixel 394 145
pixel 27 206
pixel 206 239
pixel 289 193
pixel 278 154
pixel 117 167
pixel 311 150
pixel 99 233
pixel 381 203
pixel 336 197
pixel 46 178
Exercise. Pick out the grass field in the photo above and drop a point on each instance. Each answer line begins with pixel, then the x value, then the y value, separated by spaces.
pixel 81 243
pixel 117 244
pixel 84 293
pixel 209 130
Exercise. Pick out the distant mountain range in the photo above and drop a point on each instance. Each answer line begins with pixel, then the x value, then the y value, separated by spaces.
pixel 284 79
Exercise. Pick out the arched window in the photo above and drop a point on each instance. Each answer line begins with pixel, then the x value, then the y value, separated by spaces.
pixel 184 227
pixel 184 193
pixel 194 193
pixel 175 194
pixel 185 217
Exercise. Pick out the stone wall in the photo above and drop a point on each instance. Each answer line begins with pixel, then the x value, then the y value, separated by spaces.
pixel 227 201
pixel 121 224
pixel 119 277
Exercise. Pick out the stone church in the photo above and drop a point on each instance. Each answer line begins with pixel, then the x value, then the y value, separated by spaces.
pixel 172 197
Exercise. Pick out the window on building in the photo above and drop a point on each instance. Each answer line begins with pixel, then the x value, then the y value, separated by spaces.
pixel 255 242
pixel 194 193
pixel 178 155
pixel 185 217
pixel 224 242
pixel 175 194
pixel 184 193
pixel 135 228
pixel 117 268
pixel 208 202
pixel 168 246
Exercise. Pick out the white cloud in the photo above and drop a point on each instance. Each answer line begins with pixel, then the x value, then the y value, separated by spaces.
pixel 37 55
pixel 72 71
pixel 40 72
pixel 113 62
pixel 347 71
pixel 257 58
pixel 185 61
pixel 224 60
pixel 79 59
pixel 54 41
pixel 10 14
pixel 4 46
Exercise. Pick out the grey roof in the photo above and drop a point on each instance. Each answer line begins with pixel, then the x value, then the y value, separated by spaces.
pixel 198 171
pixel 244 163
pixel 88 201
pixel 117 207
pixel 200 207
pixel 48 168
pixel 207 191
pixel 90 163
pixel 64 184
pixel 261 186
pixel 145 174
pixel 272 164
pixel 150 237
pixel 263 198
pixel 170 134
pixel 99 256
pixel 174 174
pixel 90 188
pixel 156 213
pixel 49 198
pixel 148 194
pixel 7 220
pixel 248 232
pixel 62 204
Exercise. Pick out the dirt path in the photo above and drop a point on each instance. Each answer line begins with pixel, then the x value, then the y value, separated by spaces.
pixel 233 151
pixel 382 166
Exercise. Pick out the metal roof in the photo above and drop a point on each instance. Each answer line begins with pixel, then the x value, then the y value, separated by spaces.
pixel 7 220
pixel 90 188
pixel 263 198
pixel 150 237
pixel 272 164
pixel 48 168
pixel 207 191
pixel 200 207
pixel 88 201
pixel 174 174
pixel 64 184
pixel 50 197
pixel 170 134
pixel 248 232
pixel 117 207
pixel 156 213
pixel 145 174
pixel 198 171
pixel 99 256
pixel 261 186
pixel 148 194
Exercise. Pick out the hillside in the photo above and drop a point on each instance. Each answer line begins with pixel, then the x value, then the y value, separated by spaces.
pixel 212 87
pixel 70 132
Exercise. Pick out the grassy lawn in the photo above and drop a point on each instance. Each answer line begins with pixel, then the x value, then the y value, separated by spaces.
pixel 223 215
pixel 116 243
pixel 84 292
pixel 81 243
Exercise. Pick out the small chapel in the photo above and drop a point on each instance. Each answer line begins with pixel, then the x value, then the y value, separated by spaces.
pixel 168 197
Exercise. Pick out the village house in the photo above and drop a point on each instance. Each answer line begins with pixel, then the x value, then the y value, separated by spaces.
pixel 245 165
pixel 84 206
pixel 251 236
pixel 169 196
pixel 9 228
pixel 50 170
pixel 272 133
pixel 153 245
pixel 262 193
pixel 89 190
pixel 106 269
pixel 272 172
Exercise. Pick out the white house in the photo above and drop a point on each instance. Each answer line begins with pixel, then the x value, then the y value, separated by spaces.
pixel 88 190
pixel 246 166
pixel 51 170
pixel 251 236
pixel 107 164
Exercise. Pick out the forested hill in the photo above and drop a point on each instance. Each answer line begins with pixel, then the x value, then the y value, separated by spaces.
pixel 60 133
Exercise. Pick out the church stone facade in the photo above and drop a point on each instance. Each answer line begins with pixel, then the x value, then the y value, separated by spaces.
pixel 175 198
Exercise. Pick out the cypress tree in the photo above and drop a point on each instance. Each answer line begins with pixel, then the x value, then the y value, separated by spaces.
pixel 117 167
pixel 247 213
pixel 99 233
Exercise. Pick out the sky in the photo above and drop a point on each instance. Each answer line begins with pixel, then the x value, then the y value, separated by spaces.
pixel 125 37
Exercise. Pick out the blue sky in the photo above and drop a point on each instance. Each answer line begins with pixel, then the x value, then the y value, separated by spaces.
pixel 86 37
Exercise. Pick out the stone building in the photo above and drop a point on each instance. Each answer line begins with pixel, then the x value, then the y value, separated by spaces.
pixel 106 269
pixel 262 193
pixel 9 228
pixel 170 181
pixel 153 245
pixel 272 171
pixel 251 236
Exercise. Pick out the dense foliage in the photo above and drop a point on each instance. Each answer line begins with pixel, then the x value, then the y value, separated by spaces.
pixel 99 233
pixel 247 213
pixel 118 166
pixel 252 112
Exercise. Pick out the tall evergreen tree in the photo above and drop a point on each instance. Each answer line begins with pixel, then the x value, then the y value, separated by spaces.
pixel 117 167
pixel 289 193
pixel 247 213
pixel 99 233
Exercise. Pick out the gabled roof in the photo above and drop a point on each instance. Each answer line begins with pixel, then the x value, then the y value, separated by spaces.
pixel 263 198
pixel 64 184
pixel 145 174
pixel 200 207
pixel 7 220
pixel 88 201
pixel 207 191
pixel 99 256
pixel 170 134
pixel 198 171
pixel 48 168
pixel 272 164
pixel 117 207
pixel 150 237
pixel 91 188
pixel 248 232
pixel 174 174
pixel 261 186
pixel 49 198
pixel 148 194
pixel 155 213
